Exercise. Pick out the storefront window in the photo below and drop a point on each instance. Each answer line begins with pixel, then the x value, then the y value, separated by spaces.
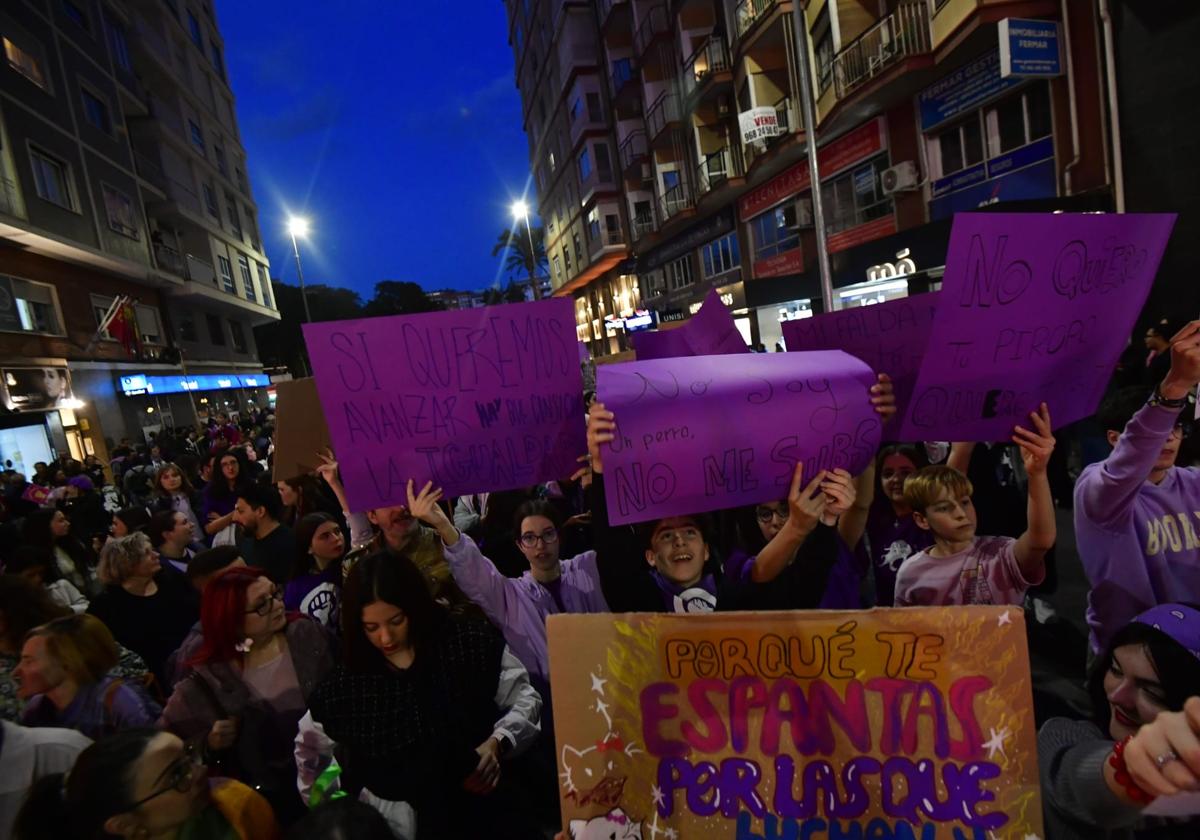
pixel 775 231
pixel 656 283
pixel 856 197
pixel 721 255
pixel 679 273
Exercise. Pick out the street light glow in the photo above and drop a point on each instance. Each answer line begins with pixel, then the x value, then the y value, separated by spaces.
pixel 298 226
pixel 520 210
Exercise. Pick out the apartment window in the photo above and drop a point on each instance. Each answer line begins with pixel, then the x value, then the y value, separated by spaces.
pixel 241 181
pixel 75 14
pixel 95 110
pixel 775 231
pixel 247 278
pixel 960 146
pixel 187 327
pixel 217 60
pixel 251 227
pixel 195 31
pixel 210 202
pixel 656 283
pixel 1019 119
pixel 603 162
pixel 576 107
pixel 585 165
pixel 118 41
pixel 148 323
pixel 197 135
pixel 679 273
pixel 578 248
pixel 558 268
pixel 52 177
pixel 822 35
pixel 122 216
pixel 595 112
pixel 226 275
pixel 593 220
pixel 238 335
pixel 566 255
pixel 235 220
pixel 721 256
pixel 264 283
pixel 25 62
pixel 219 154
pixel 216 332
pixel 856 197
pixel 36 307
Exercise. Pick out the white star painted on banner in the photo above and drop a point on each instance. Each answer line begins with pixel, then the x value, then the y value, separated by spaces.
pixel 602 708
pixel 657 795
pixel 671 835
pixel 1005 618
pixel 598 684
pixel 654 829
pixel 1032 837
pixel 996 744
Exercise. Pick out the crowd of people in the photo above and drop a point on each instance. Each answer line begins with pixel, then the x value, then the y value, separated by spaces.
pixel 190 649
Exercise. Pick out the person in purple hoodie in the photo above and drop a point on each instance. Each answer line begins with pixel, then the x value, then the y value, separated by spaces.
pixel 519 606
pixel 1135 512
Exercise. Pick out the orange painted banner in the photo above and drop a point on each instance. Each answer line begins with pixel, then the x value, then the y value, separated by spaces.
pixel 903 723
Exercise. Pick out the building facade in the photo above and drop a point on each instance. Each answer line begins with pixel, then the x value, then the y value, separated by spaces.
pixel 122 173
pixel 670 157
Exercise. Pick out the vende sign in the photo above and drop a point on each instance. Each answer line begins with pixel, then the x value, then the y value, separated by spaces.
pixel 862 143
pixel 780 265
pixel 759 124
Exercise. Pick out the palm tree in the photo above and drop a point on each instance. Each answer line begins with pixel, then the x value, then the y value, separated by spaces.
pixel 514 245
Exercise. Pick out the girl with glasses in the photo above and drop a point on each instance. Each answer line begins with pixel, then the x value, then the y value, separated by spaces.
pixel 253 675
pixel 143 783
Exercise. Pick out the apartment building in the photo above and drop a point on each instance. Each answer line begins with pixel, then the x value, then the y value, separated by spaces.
pixel 122 173
pixel 670 157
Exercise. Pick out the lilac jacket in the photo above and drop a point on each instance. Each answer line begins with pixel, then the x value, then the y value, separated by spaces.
pixel 519 606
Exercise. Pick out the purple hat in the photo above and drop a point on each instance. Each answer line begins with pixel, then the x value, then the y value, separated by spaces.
pixel 1178 621
pixel 82 482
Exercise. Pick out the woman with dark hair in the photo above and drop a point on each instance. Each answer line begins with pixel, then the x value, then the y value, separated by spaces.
pixel 174 492
pixel 36 565
pixel 881 514
pixel 142 783
pixel 1098 775
pixel 301 496
pixel 220 496
pixel 314 587
pixel 253 675
pixel 130 520
pixel 50 529
pixel 423 710
pixel 24 606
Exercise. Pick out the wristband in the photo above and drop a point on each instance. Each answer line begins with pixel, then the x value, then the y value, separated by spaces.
pixel 1117 762
pixel 1157 398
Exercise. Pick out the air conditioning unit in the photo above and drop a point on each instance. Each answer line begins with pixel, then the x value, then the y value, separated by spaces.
pixel 804 216
pixel 899 178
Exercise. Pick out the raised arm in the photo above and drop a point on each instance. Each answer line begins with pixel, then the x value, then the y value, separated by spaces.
pixel 853 523
pixel 1036 448
pixel 806 507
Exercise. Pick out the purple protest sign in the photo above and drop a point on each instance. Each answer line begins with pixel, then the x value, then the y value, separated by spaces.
pixel 890 337
pixel 710 332
pixel 702 433
pixel 474 400
pixel 1033 308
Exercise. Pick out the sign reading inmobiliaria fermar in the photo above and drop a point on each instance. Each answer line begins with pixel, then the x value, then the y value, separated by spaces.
pixel 913 723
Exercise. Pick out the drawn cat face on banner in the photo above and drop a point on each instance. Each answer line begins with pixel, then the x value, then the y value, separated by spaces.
pixel 615 825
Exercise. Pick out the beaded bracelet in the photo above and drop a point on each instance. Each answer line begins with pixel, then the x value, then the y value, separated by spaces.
pixel 1117 762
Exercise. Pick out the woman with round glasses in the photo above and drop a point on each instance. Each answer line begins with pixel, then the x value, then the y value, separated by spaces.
pixel 142 783
pixel 252 678
pixel 519 606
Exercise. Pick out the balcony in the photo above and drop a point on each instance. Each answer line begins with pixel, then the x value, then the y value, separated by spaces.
pixel 149 171
pixel 714 170
pixel 633 153
pixel 200 270
pixel 606 10
pixel 898 36
pixel 168 259
pixel 600 237
pixel 643 225
pixel 677 199
pixel 749 12
pixel 654 25
pixel 624 90
pixel 663 113
pixel 10 198
pixel 709 58
pixel 789 124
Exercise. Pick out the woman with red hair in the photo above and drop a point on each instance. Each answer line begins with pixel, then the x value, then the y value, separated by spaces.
pixel 253 676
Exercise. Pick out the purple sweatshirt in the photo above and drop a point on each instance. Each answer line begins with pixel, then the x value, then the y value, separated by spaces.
pixel 1138 541
pixel 519 606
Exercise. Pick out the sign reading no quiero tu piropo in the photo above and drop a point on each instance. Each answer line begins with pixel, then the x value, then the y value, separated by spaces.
pixel 474 401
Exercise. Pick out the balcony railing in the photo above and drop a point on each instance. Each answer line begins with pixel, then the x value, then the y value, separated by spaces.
pixel 664 111
pixel 622 74
pixel 633 149
pixel 149 169
pixel 714 170
pixel 606 7
pixel 168 259
pixel 677 199
pixel 785 115
pixel 710 57
pixel 10 198
pixel 749 12
pixel 653 24
pixel 599 236
pixel 643 225
pixel 200 270
pixel 903 33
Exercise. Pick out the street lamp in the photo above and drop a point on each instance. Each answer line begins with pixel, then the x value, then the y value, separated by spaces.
pixel 520 211
pixel 298 226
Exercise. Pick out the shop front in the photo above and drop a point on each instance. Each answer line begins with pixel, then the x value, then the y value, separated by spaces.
pixel 157 401
pixel 41 422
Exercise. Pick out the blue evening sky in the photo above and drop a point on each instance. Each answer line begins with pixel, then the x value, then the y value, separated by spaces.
pixel 395 126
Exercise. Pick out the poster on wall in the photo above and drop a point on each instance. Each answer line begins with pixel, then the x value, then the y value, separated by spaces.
pixel 34 389
pixel 914 723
